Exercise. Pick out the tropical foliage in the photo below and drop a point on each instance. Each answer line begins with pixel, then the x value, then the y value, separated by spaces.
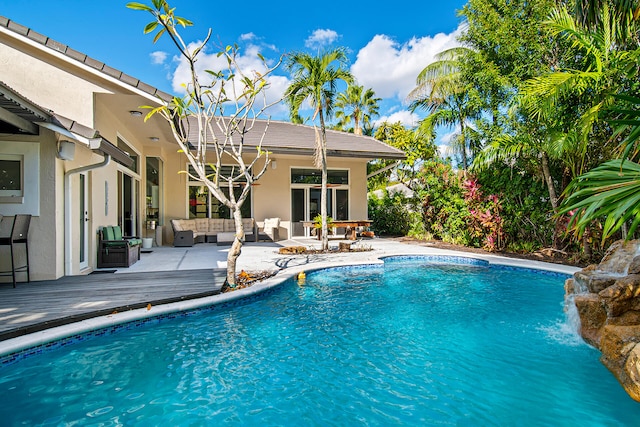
pixel 545 99
pixel 357 105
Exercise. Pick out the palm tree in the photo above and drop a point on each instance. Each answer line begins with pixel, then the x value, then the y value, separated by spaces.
pixel 359 105
pixel 626 13
pixel 442 92
pixel 315 78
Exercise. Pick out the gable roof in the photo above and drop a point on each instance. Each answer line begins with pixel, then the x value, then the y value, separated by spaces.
pixel 282 137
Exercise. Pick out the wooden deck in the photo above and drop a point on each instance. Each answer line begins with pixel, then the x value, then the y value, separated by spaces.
pixel 35 306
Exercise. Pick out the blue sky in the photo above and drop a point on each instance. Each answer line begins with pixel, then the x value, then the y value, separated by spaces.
pixel 388 43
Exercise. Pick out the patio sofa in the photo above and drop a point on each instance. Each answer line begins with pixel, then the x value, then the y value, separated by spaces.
pixel 116 250
pixel 187 232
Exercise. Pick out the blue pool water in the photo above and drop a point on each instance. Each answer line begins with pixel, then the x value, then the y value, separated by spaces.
pixel 410 343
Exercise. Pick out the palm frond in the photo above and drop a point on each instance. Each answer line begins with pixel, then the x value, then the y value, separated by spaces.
pixel 610 192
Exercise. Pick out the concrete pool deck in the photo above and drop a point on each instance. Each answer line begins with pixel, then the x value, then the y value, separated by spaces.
pixel 179 279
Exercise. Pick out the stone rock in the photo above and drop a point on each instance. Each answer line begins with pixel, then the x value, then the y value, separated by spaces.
pixel 292 250
pixel 632 373
pixel 622 296
pixel 620 346
pixel 593 281
pixel 628 318
pixel 593 317
pixel 607 298
pixel 570 286
pixel 634 267
pixel 619 256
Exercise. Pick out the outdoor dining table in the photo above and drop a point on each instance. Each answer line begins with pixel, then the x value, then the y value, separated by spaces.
pixel 351 226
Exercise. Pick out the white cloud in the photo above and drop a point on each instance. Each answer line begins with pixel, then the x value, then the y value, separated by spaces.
pixel 321 38
pixel 247 61
pixel 158 57
pixel 407 118
pixel 390 68
pixel 247 36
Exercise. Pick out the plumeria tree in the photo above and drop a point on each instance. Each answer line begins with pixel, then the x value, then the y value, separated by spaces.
pixel 211 121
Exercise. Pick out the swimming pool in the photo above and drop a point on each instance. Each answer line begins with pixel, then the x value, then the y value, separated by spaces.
pixel 411 343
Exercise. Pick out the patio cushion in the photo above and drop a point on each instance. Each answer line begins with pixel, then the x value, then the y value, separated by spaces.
pixel 271 223
pixel 216 225
pixel 108 233
pixel 202 225
pixel 117 233
pixel 229 226
pixel 247 224
pixel 177 225
pixel 134 241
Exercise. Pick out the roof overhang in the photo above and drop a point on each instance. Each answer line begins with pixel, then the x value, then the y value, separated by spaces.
pixel 18 114
pixel 21 116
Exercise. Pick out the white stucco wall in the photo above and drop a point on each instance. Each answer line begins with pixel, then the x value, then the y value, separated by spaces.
pixel 47 83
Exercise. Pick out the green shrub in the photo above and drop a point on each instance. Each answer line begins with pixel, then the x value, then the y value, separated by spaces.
pixel 390 215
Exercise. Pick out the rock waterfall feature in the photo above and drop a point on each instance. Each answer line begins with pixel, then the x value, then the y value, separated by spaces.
pixel 607 299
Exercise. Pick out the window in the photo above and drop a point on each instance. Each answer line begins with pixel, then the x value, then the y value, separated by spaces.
pixel 314 176
pixel 130 152
pixel 11 175
pixel 202 204
pixel 20 178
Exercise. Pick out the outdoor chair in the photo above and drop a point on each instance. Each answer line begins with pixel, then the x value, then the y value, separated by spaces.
pixel 18 234
pixel 269 230
pixel 116 250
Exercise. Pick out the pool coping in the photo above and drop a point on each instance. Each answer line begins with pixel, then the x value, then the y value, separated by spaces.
pixel 15 349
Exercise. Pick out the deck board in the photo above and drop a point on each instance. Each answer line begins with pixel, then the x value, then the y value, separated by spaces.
pixel 35 306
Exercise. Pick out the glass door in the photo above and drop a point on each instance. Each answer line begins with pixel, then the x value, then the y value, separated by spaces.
pixel 128 204
pixel 83 216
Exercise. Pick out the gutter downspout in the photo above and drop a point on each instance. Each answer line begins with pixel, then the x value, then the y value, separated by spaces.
pixel 67 209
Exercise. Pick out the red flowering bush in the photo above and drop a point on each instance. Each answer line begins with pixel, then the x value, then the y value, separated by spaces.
pixel 486 225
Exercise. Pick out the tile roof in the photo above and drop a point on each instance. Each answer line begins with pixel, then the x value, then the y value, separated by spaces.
pixel 289 138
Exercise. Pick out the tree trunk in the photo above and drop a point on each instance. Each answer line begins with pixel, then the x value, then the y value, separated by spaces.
pixel 356 124
pixel 463 147
pixel 553 198
pixel 236 248
pixel 548 179
pixel 323 196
